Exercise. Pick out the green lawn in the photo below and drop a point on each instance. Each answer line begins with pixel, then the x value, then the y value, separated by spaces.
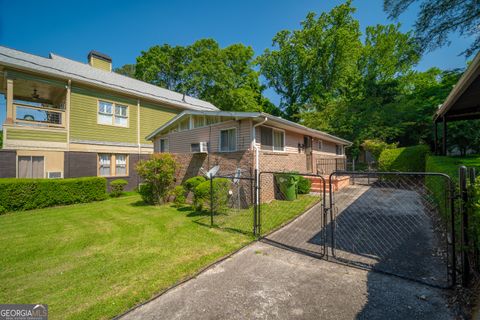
pixel 99 259
pixel 449 165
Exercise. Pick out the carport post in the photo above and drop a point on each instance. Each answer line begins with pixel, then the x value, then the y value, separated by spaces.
pixel 444 133
pixel 465 241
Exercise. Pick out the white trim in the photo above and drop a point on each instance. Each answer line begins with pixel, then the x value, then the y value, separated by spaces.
pixel 220 139
pixel 113 115
pixel 273 144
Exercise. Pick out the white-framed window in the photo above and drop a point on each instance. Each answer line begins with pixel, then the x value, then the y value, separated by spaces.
pixel 111 165
pixel 163 145
pixel 339 150
pixel 120 164
pixel 112 114
pixel 272 139
pixel 320 145
pixel 198 121
pixel 184 124
pixel 228 140
pixel 278 140
pixel 31 167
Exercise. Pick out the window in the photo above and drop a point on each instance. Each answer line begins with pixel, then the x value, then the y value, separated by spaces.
pixel 272 139
pixel 112 114
pixel 31 167
pixel 184 125
pixel 278 140
pixel 163 145
pixel 228 140
pixel 339 149
pixel 106 167
pixel 198 121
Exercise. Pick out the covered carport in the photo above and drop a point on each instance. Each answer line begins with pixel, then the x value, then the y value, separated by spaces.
pixel 463 103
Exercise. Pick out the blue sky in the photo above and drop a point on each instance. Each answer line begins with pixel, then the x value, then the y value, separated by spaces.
pixel 122 29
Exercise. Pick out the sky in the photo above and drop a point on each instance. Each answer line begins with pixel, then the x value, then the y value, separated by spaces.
pixel 122 29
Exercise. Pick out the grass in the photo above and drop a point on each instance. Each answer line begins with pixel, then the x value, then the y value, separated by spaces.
pixel 449 165
pixel 97 260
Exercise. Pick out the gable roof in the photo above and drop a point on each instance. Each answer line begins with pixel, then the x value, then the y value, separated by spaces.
pixel 280 122
pixel 58 66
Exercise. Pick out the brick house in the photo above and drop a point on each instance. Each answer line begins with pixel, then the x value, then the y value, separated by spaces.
pixel 246 141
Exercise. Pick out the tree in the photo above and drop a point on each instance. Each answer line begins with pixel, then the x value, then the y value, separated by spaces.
pixel 438 19
pixel 222 76
pixel 126 70
pixel 315 64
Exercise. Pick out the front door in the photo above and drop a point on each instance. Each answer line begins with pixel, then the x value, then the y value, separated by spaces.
pixel 307 142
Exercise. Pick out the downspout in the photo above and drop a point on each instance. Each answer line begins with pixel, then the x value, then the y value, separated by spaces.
pixel 257 155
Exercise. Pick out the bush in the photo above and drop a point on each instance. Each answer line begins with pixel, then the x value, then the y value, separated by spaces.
pixel 304 185
pixel 179 196
pixel 192 183
pixel 376 146
pixel 145 191
pixel 201 195
pixel 26 194
pixel 159 174
pixel 409 159
pixel 117 186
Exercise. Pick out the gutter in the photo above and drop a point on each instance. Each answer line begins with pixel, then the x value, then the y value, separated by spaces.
pixel 257 155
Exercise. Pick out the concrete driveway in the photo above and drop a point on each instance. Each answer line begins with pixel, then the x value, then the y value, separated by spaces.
pixel 267 282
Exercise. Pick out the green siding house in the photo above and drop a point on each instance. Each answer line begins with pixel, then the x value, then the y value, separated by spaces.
pixel 66 118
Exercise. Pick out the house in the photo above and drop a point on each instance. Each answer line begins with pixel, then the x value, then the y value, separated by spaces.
pixel 70 119
pixel 247 141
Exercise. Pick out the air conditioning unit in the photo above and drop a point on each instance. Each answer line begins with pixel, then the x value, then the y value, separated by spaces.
pixel 200 147
pixel 54 175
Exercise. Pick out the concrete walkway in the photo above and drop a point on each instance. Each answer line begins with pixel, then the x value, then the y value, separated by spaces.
pixel 266 282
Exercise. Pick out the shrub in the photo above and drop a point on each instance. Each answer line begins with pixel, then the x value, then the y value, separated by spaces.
pixel 26 194
pixel 410 159
pixel 304 185
pixel 192 183
pixel 179 196
pixel 201 195
pixel 145 191
pixel 117 186
pixel 159 173
pixel 376 146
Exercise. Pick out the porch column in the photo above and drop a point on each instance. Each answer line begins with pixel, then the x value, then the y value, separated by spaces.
pixel 10 115
pixel 444 147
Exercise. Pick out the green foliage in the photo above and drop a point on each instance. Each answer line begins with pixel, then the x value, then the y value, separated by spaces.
pixel 223 76
pixel 179 196
pixel 304 185
pixel 464 136
pixel 191 183
pixel 1 139
pixel 27 194
pixel 117 186
pixel 376 146
pixel 409 159
pixel 126 70
pixel 439 19
pixel 201 195
pixel 158 173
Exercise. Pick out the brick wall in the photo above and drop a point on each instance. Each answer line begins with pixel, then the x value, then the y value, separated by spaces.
pixel 8 164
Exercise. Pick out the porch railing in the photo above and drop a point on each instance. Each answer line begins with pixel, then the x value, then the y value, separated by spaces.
pixel 38 116
pixel 326 166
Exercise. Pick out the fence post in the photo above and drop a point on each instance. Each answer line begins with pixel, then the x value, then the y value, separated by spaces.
pixel 255 206
pixel 452 217
pixel 211 201
pixel 463 209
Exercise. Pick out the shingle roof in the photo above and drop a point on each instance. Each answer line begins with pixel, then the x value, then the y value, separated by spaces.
pixel 241 115
pixel 58 66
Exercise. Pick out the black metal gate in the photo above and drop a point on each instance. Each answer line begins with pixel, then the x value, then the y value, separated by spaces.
pixel 297 224
pixel 396 223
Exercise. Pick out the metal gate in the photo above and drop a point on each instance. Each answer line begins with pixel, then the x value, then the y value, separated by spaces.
pixel 396 223
pixel 297 224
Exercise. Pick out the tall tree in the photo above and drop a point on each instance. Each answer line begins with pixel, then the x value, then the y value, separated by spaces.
pixel 438 19
pixel 316 63
pixel 126 70
pixel 223 76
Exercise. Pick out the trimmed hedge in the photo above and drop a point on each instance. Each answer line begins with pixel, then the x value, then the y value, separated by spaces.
pixel 409 159
pixel 27 194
